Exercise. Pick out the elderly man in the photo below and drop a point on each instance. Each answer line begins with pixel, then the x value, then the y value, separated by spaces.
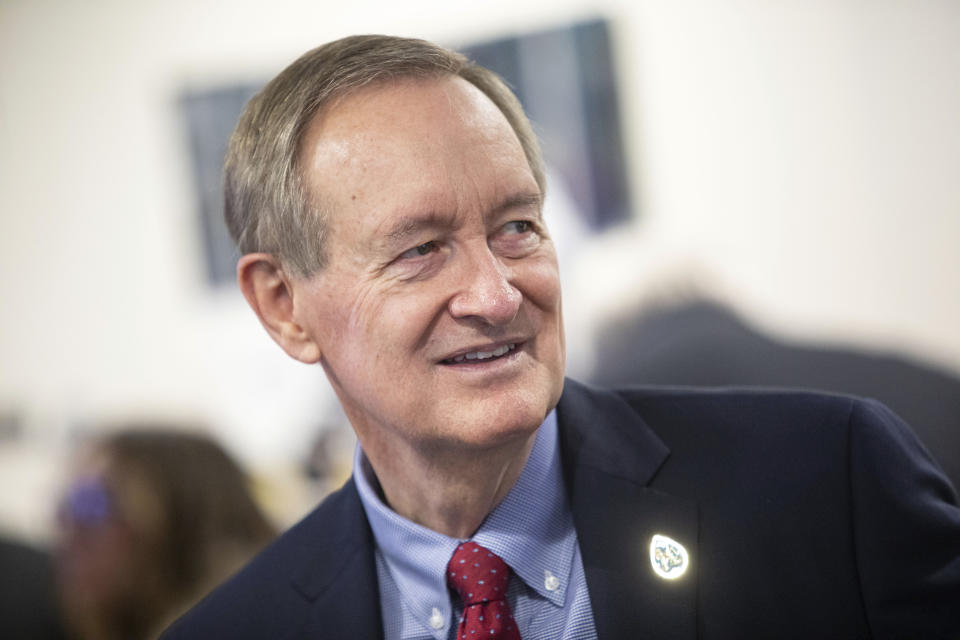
pixel 386 195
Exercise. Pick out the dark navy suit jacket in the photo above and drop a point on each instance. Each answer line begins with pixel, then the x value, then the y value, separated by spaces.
pixel 804 516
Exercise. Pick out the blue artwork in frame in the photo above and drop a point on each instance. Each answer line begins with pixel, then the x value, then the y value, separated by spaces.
pixel 565 80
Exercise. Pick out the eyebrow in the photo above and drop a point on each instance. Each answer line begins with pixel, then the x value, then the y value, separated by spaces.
pixel 409 225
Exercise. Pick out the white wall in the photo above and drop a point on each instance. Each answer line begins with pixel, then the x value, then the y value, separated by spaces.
pixel 811 152
pixel 807 152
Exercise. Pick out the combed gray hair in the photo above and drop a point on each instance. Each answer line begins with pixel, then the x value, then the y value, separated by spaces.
pixel 267 207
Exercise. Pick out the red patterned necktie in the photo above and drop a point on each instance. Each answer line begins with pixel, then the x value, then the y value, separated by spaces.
pixel 480 577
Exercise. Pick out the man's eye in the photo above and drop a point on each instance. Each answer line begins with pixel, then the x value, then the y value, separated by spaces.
pixel 518 226
pixel 420 250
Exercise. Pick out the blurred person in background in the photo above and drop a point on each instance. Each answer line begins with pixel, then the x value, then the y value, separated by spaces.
pixel 152 520
pixel 27 599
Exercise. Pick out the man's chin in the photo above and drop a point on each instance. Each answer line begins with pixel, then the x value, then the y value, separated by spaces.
pixel 500 419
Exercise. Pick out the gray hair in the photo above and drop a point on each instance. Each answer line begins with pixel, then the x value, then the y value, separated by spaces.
pixel 267 207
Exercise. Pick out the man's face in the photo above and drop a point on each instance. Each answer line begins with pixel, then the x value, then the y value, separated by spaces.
pixel 437 316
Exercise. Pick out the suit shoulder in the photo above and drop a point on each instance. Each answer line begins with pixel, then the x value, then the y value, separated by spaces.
pixel 794 430
pixel 755 410
pixel 729 396
pixel 266 594
pixel 744 407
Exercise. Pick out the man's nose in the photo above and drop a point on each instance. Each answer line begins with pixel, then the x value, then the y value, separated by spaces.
pixel 485 290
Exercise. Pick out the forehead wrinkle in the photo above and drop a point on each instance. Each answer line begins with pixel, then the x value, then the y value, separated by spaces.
pixel 521 201
pixel 407 225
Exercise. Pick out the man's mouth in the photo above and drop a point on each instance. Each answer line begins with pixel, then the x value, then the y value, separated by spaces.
pixel 480 356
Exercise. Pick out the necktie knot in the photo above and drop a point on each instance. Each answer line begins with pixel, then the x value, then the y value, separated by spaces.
pixel 477 574
pixel 481 577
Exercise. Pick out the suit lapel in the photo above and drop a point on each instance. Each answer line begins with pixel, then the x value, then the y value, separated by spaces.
pixel 610 456
pixel 339 582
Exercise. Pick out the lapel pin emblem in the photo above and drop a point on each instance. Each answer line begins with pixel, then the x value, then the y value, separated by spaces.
pixel 668 557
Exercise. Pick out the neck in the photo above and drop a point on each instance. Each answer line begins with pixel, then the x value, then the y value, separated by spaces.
pixel 450 492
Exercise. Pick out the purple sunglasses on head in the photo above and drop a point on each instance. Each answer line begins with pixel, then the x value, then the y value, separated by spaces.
pixel 88 502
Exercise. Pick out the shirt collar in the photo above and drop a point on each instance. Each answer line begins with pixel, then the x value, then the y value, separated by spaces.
pixel 531 529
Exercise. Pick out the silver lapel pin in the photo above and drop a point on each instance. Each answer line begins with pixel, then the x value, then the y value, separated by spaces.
pixel 668 557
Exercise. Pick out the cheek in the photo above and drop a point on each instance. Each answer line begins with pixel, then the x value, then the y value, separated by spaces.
pixel 363 309
pixel 379 327
pixel 540 283
pixel 542 289
pixel 342 311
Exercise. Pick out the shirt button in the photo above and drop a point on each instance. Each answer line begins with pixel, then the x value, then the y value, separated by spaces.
pixel 550 581
pixel 436 619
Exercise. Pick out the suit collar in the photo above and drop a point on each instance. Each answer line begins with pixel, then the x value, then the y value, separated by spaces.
pixel 610 457
pixel 601 431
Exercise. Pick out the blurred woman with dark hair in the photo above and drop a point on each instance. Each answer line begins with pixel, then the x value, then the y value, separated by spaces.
pixel 153 520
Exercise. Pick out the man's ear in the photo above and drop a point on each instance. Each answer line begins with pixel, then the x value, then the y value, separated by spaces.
pixel 269 292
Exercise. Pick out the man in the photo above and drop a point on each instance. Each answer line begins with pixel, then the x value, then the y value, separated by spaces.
pixel 387 196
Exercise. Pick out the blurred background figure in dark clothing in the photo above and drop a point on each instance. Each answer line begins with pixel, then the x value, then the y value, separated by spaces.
pixel 703 343
pixel 152 520
pixel 27 603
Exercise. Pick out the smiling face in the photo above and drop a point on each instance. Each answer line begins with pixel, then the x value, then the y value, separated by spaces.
pixel 437 318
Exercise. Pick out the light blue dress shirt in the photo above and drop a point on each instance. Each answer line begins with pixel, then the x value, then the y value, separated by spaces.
pixel 531 529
